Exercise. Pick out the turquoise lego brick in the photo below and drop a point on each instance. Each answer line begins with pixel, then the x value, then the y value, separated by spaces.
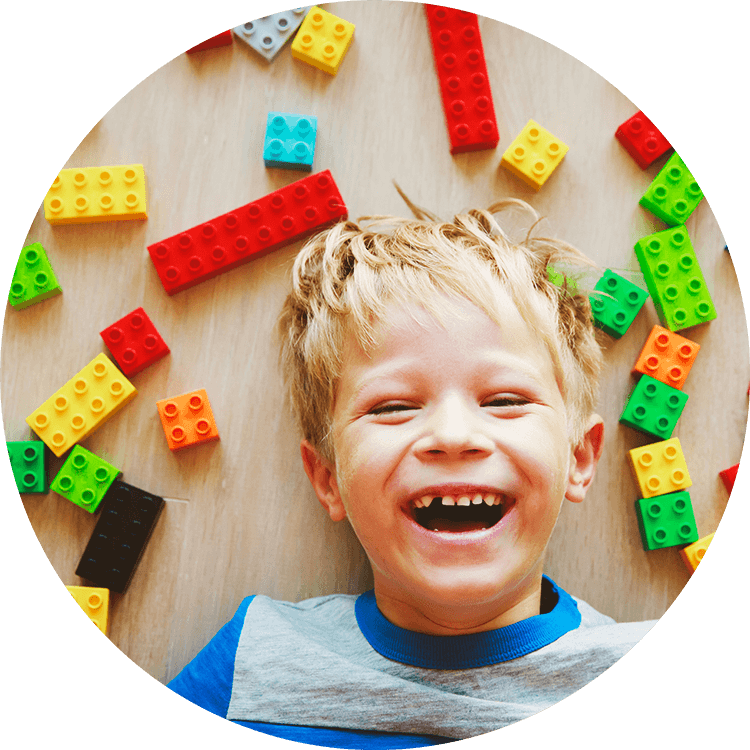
pixel 269 34
pixel 84 478
pixel 615 309
pixel 674 194
pixel 28 460
pixel 666 520
pixel 654 407
pixel 34 280
pixel 674 279
pixel 290 141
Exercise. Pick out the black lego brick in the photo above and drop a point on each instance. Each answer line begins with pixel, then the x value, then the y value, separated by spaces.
pixel 127 518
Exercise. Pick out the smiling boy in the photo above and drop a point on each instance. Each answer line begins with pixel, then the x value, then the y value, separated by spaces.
pixel 445 390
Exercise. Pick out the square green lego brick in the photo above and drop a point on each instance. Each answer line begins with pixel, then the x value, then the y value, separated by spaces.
pixel 28 459
pixel 654 407
pixel 674 194
pixel 615 309
pixel 84 478
pixel 674 279
pixel 34 280
pixel 666 520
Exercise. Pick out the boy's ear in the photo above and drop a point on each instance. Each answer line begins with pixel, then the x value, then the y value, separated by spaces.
pixel 584 459
pixel 322 477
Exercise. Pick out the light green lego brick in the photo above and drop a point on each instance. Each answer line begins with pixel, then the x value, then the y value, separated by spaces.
pixel 674 279
pixel 674 193
pixel 34 280
pixel 85 478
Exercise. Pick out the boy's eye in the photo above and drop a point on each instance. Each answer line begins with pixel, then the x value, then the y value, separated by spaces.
pixel 506 401
pixel 390 408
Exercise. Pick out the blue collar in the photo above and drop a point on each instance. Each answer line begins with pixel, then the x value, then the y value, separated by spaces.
pixel 559 615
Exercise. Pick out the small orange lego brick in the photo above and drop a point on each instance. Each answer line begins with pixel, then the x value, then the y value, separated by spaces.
pixel 187 419
pixel 693 553
pixel 667 356
pixel 94 602
pixel 660 468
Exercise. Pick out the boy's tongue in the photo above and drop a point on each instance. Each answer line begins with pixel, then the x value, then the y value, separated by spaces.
pixel 456 527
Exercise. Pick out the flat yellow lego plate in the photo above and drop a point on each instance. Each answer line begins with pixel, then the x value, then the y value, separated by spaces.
pixel 84 403
pixel 322 40
pixel 660 468
pixel 94 602
pixel 693 553
pixel 90 194
pixel 534 154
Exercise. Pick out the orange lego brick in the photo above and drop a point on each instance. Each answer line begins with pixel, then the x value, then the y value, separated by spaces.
pixel 667 356
pixel 94 602
pixel 693 553
pixel 187 419
pixel 660 468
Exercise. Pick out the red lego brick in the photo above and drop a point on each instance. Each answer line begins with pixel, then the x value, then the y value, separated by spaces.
pixel 464 82
pixel 220 40
pixel 642 140
pixel 134 342
pixel 280 218
pixel 728 476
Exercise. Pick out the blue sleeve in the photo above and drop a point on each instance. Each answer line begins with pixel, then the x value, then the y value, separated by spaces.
pixel 207 679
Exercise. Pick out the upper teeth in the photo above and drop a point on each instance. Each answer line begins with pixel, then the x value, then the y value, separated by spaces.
pixel 475 499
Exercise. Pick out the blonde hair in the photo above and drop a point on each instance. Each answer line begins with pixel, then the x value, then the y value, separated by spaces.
pixel 344 279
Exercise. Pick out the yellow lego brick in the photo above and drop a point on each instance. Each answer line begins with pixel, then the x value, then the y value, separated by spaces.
pixel 693 553
pixel 660 468
pixel 84 403
pixel 322 40
pixel 83 196
pixel 534 154
pixel 94 602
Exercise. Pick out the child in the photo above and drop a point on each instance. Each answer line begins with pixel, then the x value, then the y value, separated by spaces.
pixel 445 390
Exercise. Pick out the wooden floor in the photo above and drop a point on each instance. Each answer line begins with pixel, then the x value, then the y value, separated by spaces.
pixel 241 518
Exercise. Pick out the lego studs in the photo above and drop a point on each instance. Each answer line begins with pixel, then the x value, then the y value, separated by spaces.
pixel 534 155
pixel 187 420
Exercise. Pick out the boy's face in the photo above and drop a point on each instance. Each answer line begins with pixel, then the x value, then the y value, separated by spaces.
pixel 435 415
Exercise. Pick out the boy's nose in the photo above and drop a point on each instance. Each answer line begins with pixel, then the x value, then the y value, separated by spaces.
pixel 452 431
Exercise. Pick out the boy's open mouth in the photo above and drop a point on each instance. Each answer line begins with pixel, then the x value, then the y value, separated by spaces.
pixel 456 514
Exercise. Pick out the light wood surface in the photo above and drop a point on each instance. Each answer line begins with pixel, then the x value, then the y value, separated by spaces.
pixel 241 517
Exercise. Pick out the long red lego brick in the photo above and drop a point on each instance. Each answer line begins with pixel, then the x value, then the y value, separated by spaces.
pixel 462 74
pixel 249 232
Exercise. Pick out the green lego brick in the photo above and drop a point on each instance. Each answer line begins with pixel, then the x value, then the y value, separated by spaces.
pixel 616 308
pixel 674 194
pixel 28 459
pixel 85 478
pixel 34 280
pixel 666 520
pixel 654 407
pixel 674 279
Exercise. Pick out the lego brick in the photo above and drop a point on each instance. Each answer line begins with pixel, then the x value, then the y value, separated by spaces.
pixel 134 342
pixel 269 34
pixel 693 553
pixel 290 141
pixel 94 602
pixel 462 75
pixel 534 155
pixel 187 420
pixel 84 478
pixel 654 407
pixel 660 468
pixel 28 460
pixel 33 280
pixel 616 308
pixel 642 140
pixel 220 40
pixel 280 218
pixel 92 194
pixel 674 279
pixel 322 40
pixel 674 194
pixel 666 521
pixel 127 518
pixel 728 476
pixel 667 356
pixel 82 405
